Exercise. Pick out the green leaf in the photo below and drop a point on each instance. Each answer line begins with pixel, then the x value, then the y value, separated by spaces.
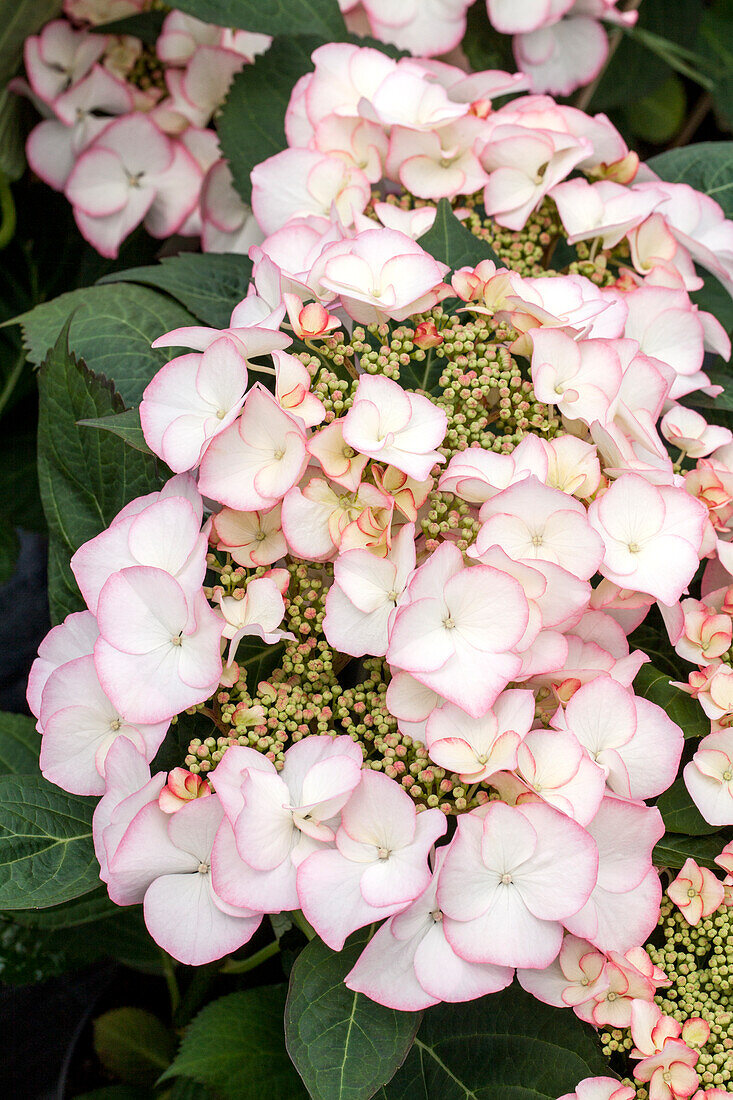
pixel 117 1092
pixel 9 549
pixel 258 660
pixel 714 42
pixel 20 744
pixel 672 850
pixel 20 500
pixel 208 285
pixel 12 135
pixel 321 17
pixel 707 166
pixel 146 26
pixel 236 1047
pixel 680 813
pixel 18 19
pixel 484 47
pixel 451 243
pixel 654 685
pixel 719 375
pixel 133 1044
pixel 714 298
pixel 125 425
pixel 658 116
pixel 251 125
pixel 46 851
pixel 344 1045
pixel 92 907
pixel 634 71
pixel 507 1046
pixel 85 476
pixel 112 328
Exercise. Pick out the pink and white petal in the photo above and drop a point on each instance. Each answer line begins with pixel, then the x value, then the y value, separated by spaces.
pixel 322 877
pixel 446 976
pixel 397 880
pixel 229 773
pixel 352 631
pixel 264 828
pixel 98 185
pixel 618 922
pixel 107 234
pixel 506 935
pixel 144 853
pixel 183 919
pixel 384 972
pixel 193 827
pixel 240 885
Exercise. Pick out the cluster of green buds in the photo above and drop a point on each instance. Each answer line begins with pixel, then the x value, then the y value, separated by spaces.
pixel 698 960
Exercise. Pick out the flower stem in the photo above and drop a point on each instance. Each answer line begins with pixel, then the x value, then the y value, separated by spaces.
pixel 7 212
pixel 300 922
pixel 241 966
pixel 169 971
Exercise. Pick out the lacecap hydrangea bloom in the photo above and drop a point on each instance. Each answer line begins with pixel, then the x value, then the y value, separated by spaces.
pixel 437 503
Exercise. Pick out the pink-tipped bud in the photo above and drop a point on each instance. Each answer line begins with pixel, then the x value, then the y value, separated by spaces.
pixel 623 170
pixel 695 1032
pixel 427 335
pixel 466 284
pixel 182 787
pixel 567 689
pixel 309 321
pixel 481 108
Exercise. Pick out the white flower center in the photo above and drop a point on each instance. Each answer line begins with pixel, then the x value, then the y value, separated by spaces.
pixel 203 868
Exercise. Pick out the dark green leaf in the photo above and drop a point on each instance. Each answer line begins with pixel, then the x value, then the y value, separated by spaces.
pixel 86 910
pixel 715 42
pixel 20 500
pixel 258 660
pixel 719 376
pixel 654 685
pixel 125 425
pixel 635 71
pixel 344 1045
pixel 20 744
pixel 680 813
pixel 208 285
pixel 507 1046
pixel 12 135
pixel 707 166
pixel 425 374
pixel 18 19
pixel 673 850
pixel 112 328
pixel 451 243
pixel 117 1092
pixel 714 298
pixel 133 1045
pixel 658 116
pixel 251 124
pixel 9 549
pixel 146 26
pixel 46 851
pixel 184 1089
pixel 484 47
pixel 321 17
pixel 236 1047
pixel 85 476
